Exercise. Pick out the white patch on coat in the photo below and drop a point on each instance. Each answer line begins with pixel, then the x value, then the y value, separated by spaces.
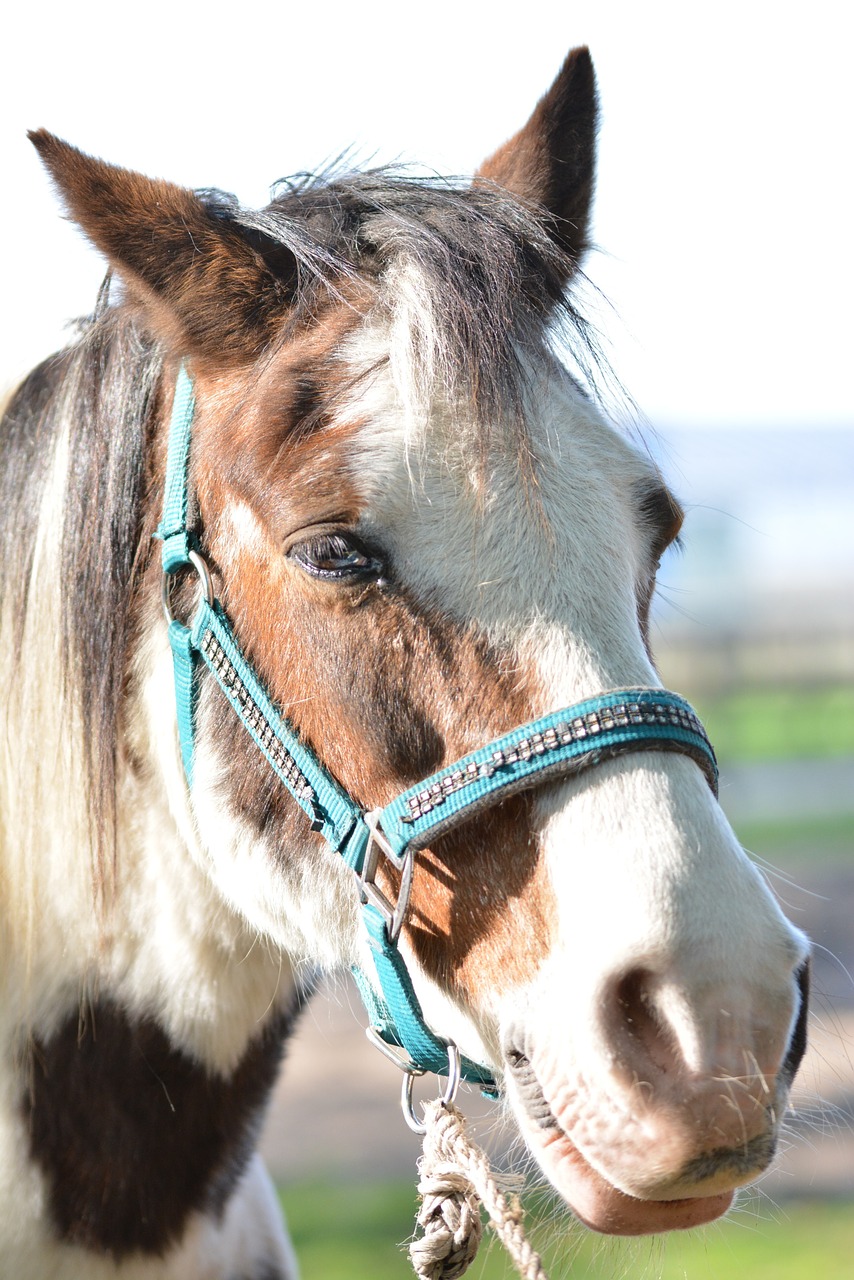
pixel 523 560
pixel 639 855
pixel 249 1239
pixel 245 528
pixel 302 900
pixel 164 944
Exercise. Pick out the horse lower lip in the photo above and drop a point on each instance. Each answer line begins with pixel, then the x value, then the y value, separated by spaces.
pixel 605 1209
pixel 592 1198
pixel 653 1217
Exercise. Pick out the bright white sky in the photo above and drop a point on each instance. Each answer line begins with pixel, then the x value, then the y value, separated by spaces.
pixel 724 210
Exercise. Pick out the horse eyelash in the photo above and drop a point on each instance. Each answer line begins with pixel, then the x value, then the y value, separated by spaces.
pixel 331 546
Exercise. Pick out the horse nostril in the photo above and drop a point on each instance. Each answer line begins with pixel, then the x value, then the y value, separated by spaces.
pixel 655 1031
pixel 636 1027
pixel 798 1042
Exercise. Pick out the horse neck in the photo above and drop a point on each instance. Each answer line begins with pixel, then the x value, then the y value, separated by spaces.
pixel 156 940
pixel 139 924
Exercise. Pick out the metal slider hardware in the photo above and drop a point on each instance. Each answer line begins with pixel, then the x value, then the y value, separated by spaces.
pixel 392 913
pixel 194 561
pixel 394 1053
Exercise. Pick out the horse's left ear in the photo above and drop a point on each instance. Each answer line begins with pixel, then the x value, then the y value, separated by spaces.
pixel 551 161
pixel 206 285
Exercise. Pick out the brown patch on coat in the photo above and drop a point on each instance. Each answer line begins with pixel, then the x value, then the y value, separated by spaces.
pixel 483 911
pixel 270 434
pixel 133 1136
pixel 388 694
pixel 385 690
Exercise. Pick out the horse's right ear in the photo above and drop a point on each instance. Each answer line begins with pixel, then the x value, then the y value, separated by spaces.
pixel 551 161
pixel 205 284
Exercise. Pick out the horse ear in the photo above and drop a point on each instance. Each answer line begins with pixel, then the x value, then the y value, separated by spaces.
pixel 551 161
pixel 207 286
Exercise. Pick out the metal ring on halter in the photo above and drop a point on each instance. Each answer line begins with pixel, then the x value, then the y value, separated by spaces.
pixel 450 1093
pixel 204 573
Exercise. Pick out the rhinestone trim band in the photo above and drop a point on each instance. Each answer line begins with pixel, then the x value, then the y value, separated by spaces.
pixel 254 718
pixel 618 716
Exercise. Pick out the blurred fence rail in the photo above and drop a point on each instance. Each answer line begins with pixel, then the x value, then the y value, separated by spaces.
pixel 802 639
pixel 728 660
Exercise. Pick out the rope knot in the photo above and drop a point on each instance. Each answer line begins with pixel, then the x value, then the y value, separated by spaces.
pixel 455 1180
pixel 450 1220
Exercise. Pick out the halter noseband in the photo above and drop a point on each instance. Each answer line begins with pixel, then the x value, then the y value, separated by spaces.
pixel 563 743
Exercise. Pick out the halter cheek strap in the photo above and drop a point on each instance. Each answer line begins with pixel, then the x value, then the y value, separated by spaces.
pixel 563 743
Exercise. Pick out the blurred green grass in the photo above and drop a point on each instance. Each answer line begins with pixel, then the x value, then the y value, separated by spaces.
pixel 354 1232
pixel 793 722
pixel 825 841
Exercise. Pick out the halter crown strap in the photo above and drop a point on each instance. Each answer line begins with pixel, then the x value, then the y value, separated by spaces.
pixel 563 743
pixel 173 528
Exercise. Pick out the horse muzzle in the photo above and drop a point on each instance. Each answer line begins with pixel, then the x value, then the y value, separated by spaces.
pixel 655 1144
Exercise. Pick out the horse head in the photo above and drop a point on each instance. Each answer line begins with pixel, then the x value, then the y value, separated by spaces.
pixel 424 532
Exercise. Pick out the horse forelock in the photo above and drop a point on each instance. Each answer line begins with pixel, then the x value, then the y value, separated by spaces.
pixel 468 273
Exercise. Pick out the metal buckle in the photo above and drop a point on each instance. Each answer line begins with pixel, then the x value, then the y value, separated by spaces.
pixel 194 561
pixel 392 913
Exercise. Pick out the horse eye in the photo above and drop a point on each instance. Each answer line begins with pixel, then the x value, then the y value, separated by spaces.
pixel 336 556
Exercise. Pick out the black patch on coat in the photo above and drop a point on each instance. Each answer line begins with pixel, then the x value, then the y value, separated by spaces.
pixel 133 1136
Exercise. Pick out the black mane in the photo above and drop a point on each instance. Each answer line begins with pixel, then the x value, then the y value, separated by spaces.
pixel 490 266
pixel 101 392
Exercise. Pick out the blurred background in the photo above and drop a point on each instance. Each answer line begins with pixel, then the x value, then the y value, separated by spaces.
pixel 721 287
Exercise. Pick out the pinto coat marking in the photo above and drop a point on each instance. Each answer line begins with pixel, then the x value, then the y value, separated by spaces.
pixel 424 533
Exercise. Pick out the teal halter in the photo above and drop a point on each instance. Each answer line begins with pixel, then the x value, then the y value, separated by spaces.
pixel 563 743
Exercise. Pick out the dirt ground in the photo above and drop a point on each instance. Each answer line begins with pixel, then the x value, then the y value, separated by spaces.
pixel 336 1114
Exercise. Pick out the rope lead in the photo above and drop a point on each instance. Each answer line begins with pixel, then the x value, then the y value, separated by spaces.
pixel 455 1180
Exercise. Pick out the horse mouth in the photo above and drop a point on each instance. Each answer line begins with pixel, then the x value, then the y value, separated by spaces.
pixel 703 1191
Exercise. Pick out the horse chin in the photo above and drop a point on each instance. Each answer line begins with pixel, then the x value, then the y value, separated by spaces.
pixel 651 1199
pixel 604 1208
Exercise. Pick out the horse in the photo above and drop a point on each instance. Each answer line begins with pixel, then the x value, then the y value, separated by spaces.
pixel 326 588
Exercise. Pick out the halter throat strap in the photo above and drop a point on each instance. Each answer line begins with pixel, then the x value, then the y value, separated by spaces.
pixel 557 745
